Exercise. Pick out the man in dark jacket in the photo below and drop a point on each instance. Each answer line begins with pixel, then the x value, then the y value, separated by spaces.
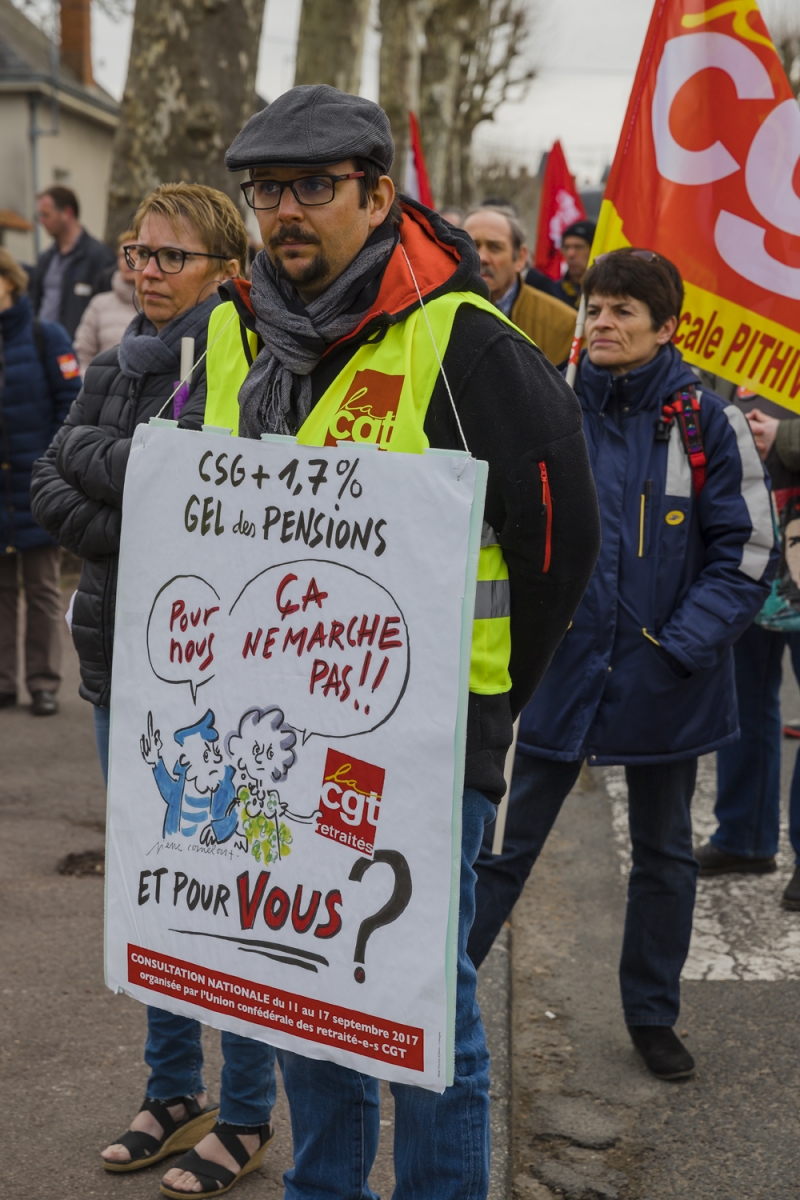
pixel 644 676
pixel 344 272
pixel 66 275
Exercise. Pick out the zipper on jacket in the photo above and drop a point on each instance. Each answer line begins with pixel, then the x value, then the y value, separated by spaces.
pixel 547 502
pixel 643 499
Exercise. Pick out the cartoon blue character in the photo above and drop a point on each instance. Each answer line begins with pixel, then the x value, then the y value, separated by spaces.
pixel 200 787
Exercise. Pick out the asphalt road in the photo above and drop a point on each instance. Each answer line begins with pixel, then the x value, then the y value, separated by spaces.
pixel 588 1119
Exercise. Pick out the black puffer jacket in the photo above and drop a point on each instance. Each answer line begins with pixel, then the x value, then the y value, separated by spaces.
pixel 76 491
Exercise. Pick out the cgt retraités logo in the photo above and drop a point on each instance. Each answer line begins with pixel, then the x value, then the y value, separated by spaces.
pixel 350 801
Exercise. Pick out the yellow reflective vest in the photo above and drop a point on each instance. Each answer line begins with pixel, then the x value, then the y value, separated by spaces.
pixel 381 396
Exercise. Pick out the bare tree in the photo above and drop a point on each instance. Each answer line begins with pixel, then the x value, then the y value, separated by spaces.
pixel 783 21
pixel 472 63
pixel 190 88
pixel 330 43
pixel 788 47
pixel 504 178
pixel 401 36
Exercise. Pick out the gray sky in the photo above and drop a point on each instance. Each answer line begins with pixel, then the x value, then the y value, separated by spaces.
pixel 585 52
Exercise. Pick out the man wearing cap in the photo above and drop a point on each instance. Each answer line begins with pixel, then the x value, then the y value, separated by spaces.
pixel 576 246
pixel 499 238
pixel 338 290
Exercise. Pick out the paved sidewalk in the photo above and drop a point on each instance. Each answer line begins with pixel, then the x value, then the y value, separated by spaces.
pixel 71 1051
pixel 589 1121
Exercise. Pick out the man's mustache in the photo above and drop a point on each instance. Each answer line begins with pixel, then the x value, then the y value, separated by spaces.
pixel 293 233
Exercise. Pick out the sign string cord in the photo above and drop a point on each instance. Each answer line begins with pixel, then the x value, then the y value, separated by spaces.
pixel 188 376
pixel 436 349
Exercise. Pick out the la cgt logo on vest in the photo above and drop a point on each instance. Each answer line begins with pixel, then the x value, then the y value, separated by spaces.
pixel 368 412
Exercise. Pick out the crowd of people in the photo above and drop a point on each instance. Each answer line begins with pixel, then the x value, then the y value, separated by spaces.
pixel 629 592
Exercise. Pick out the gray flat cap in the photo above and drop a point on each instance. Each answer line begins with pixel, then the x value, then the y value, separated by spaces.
pixel 313 124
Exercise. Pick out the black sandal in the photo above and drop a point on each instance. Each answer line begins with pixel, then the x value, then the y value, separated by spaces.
pixel 213 1178
pixel 146 1149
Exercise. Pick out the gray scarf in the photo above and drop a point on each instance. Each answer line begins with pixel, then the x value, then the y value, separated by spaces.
pixel 295 337
pixel 146 351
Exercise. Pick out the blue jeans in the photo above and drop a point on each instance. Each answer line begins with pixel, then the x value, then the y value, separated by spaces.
pixel 174 1050
pixel 441 1143
pixel 749 771
pixel 661 886
pixel 174 1053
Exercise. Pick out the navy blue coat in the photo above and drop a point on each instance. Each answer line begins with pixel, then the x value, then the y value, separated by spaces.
pixel 33 405
pixel 645 672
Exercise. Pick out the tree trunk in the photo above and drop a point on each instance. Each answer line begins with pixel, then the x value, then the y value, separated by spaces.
pixel 441 80
pixel 399 77
pixel 469 68
pixel 190 89
pixel 330 43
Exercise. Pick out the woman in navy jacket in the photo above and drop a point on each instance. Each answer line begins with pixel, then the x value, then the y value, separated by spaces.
pixel 41 380
pixel 644 675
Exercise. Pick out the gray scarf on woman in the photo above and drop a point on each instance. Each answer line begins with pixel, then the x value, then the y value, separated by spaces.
pixel 295 337
pixel 144 350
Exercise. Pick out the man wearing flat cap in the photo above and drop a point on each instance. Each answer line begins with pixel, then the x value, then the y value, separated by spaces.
pixel 576 248
pixel 352 279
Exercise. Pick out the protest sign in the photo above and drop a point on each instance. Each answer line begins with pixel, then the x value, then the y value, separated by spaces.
pixel 291 665
pixel 706 174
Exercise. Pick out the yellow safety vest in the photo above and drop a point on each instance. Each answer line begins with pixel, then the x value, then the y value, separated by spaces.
pixel 381 396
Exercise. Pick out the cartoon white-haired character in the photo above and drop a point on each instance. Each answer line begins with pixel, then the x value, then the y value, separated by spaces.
pixel 263 752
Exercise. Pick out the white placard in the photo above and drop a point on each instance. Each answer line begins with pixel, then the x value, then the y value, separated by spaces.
pixel 290 679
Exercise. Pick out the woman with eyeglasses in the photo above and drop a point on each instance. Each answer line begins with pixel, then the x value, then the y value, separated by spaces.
pixel 187 240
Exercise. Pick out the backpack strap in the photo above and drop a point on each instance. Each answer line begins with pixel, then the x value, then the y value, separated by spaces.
pixel 685 408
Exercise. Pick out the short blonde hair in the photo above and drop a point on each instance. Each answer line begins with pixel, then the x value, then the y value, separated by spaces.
pixel 127 236
pixel 13 272
pixel 211 213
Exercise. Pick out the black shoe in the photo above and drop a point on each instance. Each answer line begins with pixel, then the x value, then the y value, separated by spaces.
pixel 718 862
pixel 8 699
pixel 662 1050
pixel 44 704
pixel 791 897
pixel 792 729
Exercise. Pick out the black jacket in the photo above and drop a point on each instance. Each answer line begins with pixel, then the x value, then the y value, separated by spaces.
pixel 41 381
pixel 87 262
pixel 76 492
pixel 516 412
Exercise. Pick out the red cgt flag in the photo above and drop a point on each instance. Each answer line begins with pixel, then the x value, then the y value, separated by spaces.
pixel 706 173
pixel 417 184
pixel 559 206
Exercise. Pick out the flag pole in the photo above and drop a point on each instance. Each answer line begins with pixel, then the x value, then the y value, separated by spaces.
pixel 577 341
pixel 502 808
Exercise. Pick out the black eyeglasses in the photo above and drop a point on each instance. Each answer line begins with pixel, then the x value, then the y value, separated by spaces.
pixel 168 260
pixel 309 190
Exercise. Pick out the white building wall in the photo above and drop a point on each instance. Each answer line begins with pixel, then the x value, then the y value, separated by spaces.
pixel 78 156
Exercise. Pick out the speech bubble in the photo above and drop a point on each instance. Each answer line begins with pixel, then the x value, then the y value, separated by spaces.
pixel 327 643
pixel 181 629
